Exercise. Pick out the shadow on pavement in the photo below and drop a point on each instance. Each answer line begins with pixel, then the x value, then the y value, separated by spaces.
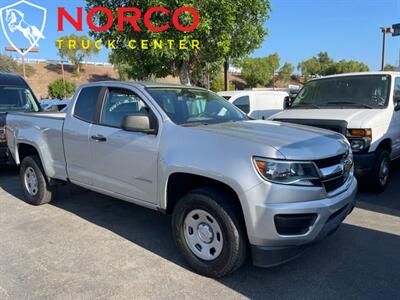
pixel 354 263
pixel 387 202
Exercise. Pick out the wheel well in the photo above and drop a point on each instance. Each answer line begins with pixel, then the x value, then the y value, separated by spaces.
pixel 179 184
pixel 25 150
pixel 386 145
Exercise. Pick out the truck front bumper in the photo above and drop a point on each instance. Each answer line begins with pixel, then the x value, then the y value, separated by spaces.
pixel 4 155
pixel 364 163
pixel 279 232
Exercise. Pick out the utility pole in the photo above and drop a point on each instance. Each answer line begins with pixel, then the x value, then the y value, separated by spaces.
pixel 383 29
pixel 23 50
pixel 395 31
pixel 226 80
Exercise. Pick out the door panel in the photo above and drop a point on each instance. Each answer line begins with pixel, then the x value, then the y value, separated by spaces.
pixel 395 124
pixel 123 162
pixel 76 135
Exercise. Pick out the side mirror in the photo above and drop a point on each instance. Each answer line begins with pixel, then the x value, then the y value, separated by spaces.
pixel 286 102
pixel 139 123
pixel 396 103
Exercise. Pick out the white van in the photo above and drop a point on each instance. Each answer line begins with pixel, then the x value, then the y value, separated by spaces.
pixel 365 107
pixel 257 104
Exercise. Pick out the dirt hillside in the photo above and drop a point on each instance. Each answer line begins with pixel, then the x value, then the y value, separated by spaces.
pixel 46 73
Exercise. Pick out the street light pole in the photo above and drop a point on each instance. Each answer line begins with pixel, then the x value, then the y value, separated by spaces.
pixel 383 48
pixel 384 32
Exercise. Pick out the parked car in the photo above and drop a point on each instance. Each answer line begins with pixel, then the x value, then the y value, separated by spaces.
pixel 15 95
pixel 362 106
pixel 228 181
pixel 257 104
pixel 54 105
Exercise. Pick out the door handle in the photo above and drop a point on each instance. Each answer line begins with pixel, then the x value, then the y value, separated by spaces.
pixel 99 138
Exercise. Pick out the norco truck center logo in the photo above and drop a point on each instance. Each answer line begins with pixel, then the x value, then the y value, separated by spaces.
pixel 23 23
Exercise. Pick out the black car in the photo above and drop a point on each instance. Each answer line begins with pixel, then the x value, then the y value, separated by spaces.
pixel 15 96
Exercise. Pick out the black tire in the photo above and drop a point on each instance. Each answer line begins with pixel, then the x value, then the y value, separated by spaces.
pixel 44 192
pixel 234 247
pixel 375 181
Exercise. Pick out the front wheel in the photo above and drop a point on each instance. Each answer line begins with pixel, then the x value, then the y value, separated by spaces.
pixel 208 233
pixel 381 172
pixel 34 183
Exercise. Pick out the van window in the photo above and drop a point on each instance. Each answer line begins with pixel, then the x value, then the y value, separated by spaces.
pixel 86 104
pixel 243 103
pixel 397 88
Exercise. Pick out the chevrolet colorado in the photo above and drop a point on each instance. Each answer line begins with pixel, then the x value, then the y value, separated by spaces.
pixel 231 184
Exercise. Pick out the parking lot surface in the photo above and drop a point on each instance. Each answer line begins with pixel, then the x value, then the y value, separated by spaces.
pixel 89 246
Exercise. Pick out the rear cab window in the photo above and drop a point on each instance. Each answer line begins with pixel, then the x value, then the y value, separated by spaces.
pixel 86 104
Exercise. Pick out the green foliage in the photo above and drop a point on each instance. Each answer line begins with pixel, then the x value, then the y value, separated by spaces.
pixel 9 65
pixel 344 66
pixel 76 54
pixel 218 84
pixel 389 68
pixel 323 65
pixel 227 30
pixel 285 72
pixel 259 70
pixel 58 90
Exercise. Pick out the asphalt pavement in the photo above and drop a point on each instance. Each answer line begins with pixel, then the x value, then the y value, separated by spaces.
pixel 89 246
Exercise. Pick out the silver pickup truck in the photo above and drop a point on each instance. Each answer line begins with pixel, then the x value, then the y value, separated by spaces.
pixel 231 184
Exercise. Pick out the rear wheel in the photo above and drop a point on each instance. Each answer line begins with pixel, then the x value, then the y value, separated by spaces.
pixel 208 233
pixel 34 183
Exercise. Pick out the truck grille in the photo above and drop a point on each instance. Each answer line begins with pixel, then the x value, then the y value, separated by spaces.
pixel 334 171
pixel 333 125
pixel 331 161
pixel 334 183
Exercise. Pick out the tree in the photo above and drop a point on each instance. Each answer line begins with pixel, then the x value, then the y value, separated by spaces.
pixel 9 65
pixel 309 67
pixel 217 85
pixel 389 68
pixel 323 65
pixel 285 72
pixel 351 66
pixel 259 70
pixel 227 29
pixel 81 49
pixel 59 89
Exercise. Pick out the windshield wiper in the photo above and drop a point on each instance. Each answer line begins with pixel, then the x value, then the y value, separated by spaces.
pixel 350 103
pixel 305 104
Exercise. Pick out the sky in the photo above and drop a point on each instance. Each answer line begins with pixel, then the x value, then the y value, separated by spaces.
pixel 298 29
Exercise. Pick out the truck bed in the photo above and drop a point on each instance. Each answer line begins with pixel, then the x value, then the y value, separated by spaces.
pixel 44 131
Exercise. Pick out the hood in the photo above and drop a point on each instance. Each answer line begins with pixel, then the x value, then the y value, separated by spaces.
pixel 294 142
pixel 354 117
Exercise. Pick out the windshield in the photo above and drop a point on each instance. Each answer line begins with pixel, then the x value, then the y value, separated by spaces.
pixel 17 99
pixel 371 91
pixel 188 106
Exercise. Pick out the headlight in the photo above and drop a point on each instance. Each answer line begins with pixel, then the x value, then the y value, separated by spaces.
pixel 286 172
pixel 360 139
